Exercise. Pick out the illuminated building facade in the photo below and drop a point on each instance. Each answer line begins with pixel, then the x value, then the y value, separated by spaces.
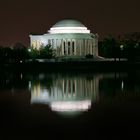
pixel 68 38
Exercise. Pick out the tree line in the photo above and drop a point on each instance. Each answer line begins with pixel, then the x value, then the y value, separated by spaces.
pixel 125 46
pixel 20 53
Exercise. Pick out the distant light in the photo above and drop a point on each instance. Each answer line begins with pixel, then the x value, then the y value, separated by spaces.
pixel 29 50
pixel 29 85
pixel 20 61
pixel 21 76
pixel 121 47
pixel 122 85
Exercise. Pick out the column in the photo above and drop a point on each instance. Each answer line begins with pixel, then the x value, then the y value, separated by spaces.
pixel 85 47
pixel 55 43
pixel 91 47
pixel 74 47
pixel 80 51
pixel 59 46
pixel 88 46
pixel 71 52
pixel 69 47
pixel 78 47
pixel 62 48
pixel 82 47
pixel 66 47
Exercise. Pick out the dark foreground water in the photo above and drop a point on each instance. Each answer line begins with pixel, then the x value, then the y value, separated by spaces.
pixel 69 105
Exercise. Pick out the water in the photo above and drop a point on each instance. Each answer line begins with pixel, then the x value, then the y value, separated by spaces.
pixel 69 105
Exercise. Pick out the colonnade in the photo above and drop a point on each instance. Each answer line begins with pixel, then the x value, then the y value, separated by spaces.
pixel 77 47
pixel 71 47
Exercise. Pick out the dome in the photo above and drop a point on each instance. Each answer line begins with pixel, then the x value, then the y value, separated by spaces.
pixel 68 26
pixel 68 23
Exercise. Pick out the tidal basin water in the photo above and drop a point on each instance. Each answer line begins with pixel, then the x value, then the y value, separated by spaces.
pixel 70 105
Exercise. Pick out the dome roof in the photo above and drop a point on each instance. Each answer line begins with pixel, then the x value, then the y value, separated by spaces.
pixel 68 26
pixel 68 23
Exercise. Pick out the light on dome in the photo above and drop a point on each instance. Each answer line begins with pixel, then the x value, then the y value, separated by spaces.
pixel 71 28
pixel 57 30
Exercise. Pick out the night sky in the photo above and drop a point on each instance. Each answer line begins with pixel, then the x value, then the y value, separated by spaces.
pixel 20 17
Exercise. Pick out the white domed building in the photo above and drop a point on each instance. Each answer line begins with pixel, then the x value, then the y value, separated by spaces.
pixel 69 38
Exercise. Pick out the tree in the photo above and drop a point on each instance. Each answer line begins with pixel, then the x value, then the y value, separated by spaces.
pixel 108 47
pixel 47 52
pixel 33 53
pixel 20 52
pixel 131 43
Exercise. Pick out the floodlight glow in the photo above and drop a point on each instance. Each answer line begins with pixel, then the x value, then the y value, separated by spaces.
pixel 29 50
pixel 71 106
pixel 122 85
pixel 71 28
pixel 56 30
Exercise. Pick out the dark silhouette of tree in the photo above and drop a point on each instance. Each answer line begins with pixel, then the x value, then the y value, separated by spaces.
pixel 131 43
pixel 108 47
pixel 5 54
pixel 20 52
pixel 18 45
pixel 47 52
pixel 33 53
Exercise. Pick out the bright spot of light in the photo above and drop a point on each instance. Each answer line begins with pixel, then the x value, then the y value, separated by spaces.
pixel 71 106
pixel 29 85
pixel 121 47
pixel 29 50
pixel 122 85
pixel 21 76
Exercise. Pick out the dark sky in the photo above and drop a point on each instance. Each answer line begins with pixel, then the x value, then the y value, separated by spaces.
pixel 20 17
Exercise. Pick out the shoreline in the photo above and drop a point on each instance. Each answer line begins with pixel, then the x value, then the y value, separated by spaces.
pixel 95 66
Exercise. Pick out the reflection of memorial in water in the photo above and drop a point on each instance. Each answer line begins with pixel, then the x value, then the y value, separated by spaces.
pixel 64 93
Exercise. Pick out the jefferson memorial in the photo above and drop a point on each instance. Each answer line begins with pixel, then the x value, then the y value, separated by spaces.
pixel 68 38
